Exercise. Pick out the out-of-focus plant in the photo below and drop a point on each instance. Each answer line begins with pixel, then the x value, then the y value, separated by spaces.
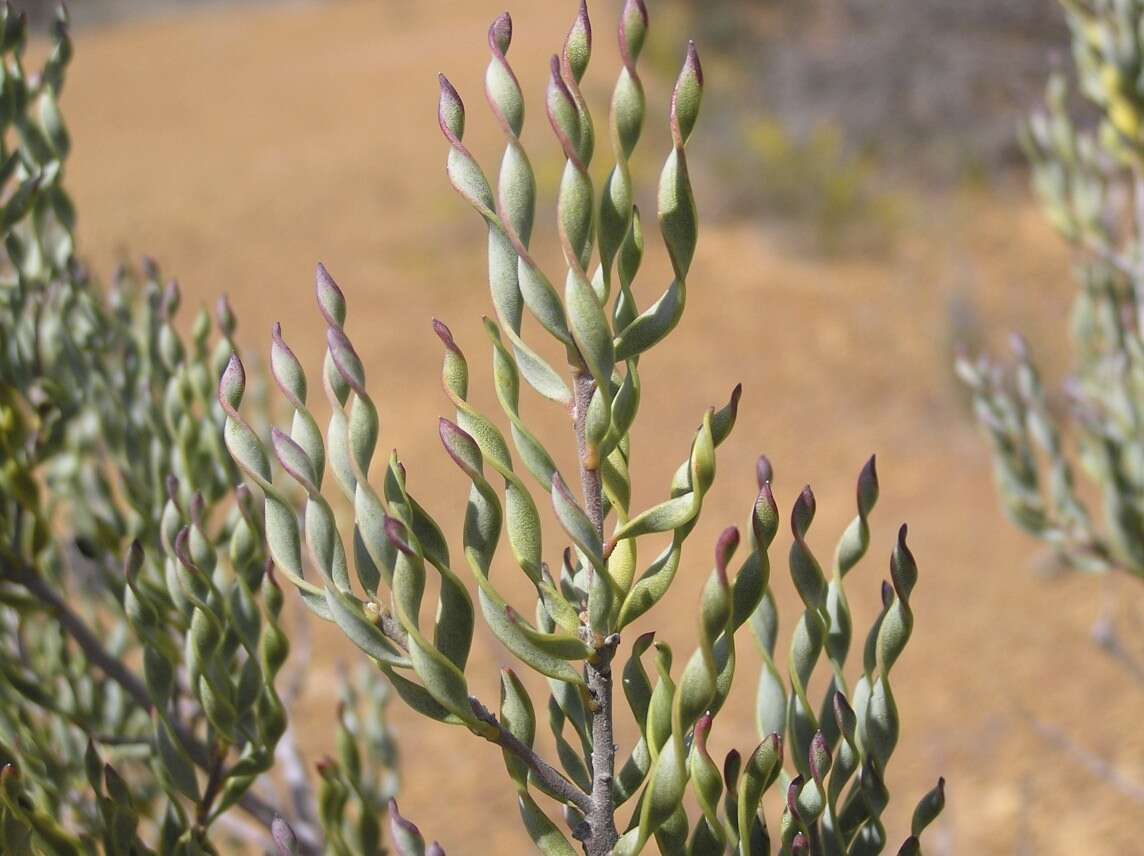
pixel 393 587
pixel 1091 183
pixel 837 192
pixel 140 630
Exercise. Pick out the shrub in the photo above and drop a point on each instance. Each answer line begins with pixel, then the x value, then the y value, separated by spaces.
pixel 139 709
pixel 837 750
pixel 1090 180
pixel 140 629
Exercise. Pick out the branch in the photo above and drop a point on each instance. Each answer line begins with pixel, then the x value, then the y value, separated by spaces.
pixel 601 834
pixel 548 777
pixel 13 570
pixel 1098 766
pixel 551 780
pixel 1108 640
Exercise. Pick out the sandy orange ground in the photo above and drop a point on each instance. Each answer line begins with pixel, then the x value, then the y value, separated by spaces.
pixel 240 149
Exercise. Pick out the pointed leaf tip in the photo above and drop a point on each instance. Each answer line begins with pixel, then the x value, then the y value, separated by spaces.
pixel 903 567
pixel 133 562
pixel 725 548
pixel 232 384
pixel 445 335
pixel 803 512
pixel 732 764
pixel 693 61
pixel 868 486
pixel 702 729
pixel 500 33
pixel 793 790
pixel 181 551
pixel 765 521
pixel 764 471
pixel 224 314
pixel 844 716
pixel 686 97
pixel 450 111
pixel 331 300
pixel 578 43
pixel 819 758
pixel 397 535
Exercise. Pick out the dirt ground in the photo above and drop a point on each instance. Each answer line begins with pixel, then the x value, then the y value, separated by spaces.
pixel 241 149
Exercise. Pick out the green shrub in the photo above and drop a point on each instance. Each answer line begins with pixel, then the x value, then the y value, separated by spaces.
pixel 836 748
pixel 1091 183
pixel 138 707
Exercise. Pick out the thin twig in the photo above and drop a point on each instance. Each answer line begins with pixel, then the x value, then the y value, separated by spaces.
pixel 548 778
pixel 1107 638
pixel 1100 767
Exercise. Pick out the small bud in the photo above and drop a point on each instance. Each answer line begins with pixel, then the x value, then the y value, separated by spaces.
pixel 232 384
pixel 686 96
pixel 732 764
pixel 867 487
pixel 578 43
pixel 331 301
pixel 450 111
pixel 903 568
pixel 764 471
pixel 224 314
pixel 500 33
pixel 803 513
pixel 724 549
pixel 765 521
pixel 633 30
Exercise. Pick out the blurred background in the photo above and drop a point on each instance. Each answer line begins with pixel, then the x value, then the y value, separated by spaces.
pixel 864 213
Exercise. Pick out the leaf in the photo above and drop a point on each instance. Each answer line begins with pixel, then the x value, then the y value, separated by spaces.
pixel 173 764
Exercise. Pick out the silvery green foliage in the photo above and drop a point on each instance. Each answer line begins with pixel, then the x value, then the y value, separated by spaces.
pixel 140 630
pixel 1091 184
pixel 357 786
pixel 373 580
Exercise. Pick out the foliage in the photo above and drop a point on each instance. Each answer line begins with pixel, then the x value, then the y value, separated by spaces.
pixel 392 585
pixel 1091 183
pixel 139 708
pixel 838 193
pixel 128 543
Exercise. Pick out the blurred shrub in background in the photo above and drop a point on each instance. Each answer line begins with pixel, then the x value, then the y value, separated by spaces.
pixel 836 192
pixel 1089 176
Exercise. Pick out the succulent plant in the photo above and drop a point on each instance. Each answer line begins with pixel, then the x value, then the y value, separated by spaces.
pixel 826 756
pixel 141 626
pixel 140 629
pixel 1090 180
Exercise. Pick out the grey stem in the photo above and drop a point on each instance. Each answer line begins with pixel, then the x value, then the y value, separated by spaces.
pixel 601 835
pixel 548 778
